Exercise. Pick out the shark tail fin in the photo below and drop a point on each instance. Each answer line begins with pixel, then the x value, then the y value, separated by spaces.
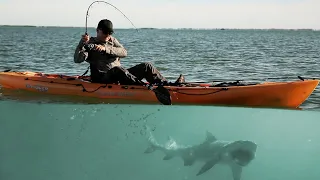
pixel 151 141
pixel 170 144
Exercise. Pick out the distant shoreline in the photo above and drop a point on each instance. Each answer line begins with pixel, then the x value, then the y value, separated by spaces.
pixel 149 28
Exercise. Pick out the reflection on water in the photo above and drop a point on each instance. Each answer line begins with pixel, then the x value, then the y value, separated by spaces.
pixel 77 141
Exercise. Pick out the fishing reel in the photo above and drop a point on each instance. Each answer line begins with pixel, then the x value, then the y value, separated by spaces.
pixel 88 47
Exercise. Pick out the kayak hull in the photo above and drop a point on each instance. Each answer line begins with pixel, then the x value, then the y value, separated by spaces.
pixel 268 94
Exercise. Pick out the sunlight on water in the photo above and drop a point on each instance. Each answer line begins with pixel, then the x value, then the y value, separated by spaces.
pixel 67 141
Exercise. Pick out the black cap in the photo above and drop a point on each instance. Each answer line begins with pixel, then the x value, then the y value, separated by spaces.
pixel 106 26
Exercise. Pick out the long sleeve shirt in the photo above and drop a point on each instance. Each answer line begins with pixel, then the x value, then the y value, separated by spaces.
pixel 101 61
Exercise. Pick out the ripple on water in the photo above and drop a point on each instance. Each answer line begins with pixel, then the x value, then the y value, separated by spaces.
pixel 201 55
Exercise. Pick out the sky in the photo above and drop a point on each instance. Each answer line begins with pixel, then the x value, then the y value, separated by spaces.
pixel 240 14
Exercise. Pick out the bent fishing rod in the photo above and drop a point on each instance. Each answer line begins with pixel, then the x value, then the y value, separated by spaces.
pixel 161 93
pixel 87 14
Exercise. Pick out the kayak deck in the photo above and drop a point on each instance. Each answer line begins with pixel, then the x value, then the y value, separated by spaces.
pixel 267 94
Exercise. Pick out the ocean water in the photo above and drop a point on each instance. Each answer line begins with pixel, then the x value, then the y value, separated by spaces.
pixel 201 55
pixel 49 140
pixel 67 141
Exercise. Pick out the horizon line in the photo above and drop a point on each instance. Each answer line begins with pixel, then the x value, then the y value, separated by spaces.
pixel 181 28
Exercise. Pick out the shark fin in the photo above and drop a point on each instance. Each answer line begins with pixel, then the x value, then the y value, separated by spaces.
pixel 167 157
pixel 188 161
pixel 208 165
pixel 210 137
pixel 236 172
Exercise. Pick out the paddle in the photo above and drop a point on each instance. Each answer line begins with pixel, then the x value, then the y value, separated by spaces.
pixel 162 94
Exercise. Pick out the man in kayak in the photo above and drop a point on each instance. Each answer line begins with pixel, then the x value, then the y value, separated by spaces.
pixel 104 52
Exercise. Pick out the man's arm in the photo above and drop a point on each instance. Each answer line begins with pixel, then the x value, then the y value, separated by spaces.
pixel 80 55
pixel 117 49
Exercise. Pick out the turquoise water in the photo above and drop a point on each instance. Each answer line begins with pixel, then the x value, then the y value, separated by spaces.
pixel 44 141
pixel 51 141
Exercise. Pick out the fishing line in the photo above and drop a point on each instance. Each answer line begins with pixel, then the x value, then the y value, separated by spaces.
pixel 87 15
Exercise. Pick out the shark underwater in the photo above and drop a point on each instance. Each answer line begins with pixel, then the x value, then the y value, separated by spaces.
pixel 235 154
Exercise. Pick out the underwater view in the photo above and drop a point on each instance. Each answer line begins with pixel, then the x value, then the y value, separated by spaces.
pixel 68 141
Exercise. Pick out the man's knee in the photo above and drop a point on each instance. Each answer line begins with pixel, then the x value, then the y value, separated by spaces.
pixel 118 69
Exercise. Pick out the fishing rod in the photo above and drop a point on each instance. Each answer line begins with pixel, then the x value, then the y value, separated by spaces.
pixel 87 14
pixel 161 93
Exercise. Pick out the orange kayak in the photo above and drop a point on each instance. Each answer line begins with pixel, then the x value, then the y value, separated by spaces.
pixel 267 94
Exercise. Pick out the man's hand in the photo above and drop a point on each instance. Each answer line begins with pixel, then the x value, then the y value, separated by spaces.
pixel 95 47
pixel 99 48
pixel 85 38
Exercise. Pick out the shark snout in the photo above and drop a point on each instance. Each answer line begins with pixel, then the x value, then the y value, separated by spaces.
pixel 243 152
pixel 242 157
